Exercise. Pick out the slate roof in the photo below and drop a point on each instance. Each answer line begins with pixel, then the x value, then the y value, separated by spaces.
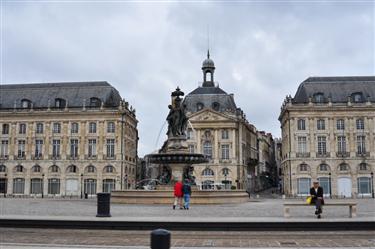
pixel 209 96
pixel 337 88
pixel 73 92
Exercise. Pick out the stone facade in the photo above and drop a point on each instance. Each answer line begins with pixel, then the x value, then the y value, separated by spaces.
pixel 328 135
pixel 47 149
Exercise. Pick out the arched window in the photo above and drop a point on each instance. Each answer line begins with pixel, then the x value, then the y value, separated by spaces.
pixel 363 166
pixel 92 127
pixel 56 128
pixel 360 124
pixel 343 167
pixel 54 169
pixel 207 149
pixel 74 128
pixel 319 98
pixel 95 102
pixel 207 172
pixel 36 169
pixel 216 106
pixel 199 106
pixel 303 186
pixel 364 185
pixel 109 169
pixel 72 169
pixel 25 103
pixel 323 167
pixel 303 167
pixel 3 168
pixel 324 182
pixel 90 169
pixel 60 103
pixel 19 169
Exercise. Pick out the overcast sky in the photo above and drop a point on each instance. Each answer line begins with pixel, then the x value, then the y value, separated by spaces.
pixel 262 51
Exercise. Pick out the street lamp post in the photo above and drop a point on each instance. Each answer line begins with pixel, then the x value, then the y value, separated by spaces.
pixel 372 184
pixel 81 185
pixel 5 187
pixel 330 185
pixel 42 185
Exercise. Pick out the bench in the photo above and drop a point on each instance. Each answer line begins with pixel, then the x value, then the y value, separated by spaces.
pixel 351 204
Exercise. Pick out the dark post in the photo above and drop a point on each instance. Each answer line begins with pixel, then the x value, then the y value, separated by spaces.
pixel 330 186
pixel 6 186
pixel 160 239
pixel 42 185
pixel 372 184
pixel 81 185
pixel 104 201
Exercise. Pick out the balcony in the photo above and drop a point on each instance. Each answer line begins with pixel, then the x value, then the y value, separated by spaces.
pixel 363 154
pixel 73 157
pixel 342 154
pixel 4 157
pixel 322 155
pixel 37 157
pixel 225 161
pixel 20 157
pixel 109 157
pixel 55 157
pixel 91 157
pixel 303 154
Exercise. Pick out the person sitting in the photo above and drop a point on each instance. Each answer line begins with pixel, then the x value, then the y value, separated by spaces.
pixel 316 193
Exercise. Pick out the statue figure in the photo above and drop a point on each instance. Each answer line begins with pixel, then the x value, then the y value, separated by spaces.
pixel 177 120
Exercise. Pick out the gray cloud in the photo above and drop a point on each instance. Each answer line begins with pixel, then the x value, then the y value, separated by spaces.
pixel 262 51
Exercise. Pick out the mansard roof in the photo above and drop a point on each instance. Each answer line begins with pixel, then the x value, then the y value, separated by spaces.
pixel 338 89
pixel 41 95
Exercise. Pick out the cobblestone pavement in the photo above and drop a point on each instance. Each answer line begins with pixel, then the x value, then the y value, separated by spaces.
pixel 115 238
pixel 256 208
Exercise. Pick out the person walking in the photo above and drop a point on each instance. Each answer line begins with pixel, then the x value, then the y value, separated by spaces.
pixel 186 189
pixel 316 193
pixel 178 195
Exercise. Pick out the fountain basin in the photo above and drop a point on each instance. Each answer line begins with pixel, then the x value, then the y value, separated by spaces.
pixel 177 158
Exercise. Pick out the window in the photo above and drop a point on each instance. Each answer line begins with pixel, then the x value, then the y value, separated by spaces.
pixel 364 185
pixel 207 149
pixel 224 134
pixel 340 124
pixel 189 134
pixel 191 148
pixel 325 184
pixel 360 124
pixel 21 149
pixel 19 169
pixel 216 106
pixel 92 127
pixel 74 128
pixel 4 148
pixel 54 186
pixel 361 144
pixel 3 168
pixel 108 185
pixel 320 124
pixel 72 169
pixel 38 148
pixel 343 167
pixel 5 129
pixel 18 186
pixel 95 102
pixel 303 167
pixel 357 97
pixel 323 167
pixel 207 172
pixel 109 169
pixel 225 172
pixel 319 98
pixel 111 127
pixel 36 186
pixel 54 169
pixel 36 169
pixel 200 106
pixel 90 169
pixel 225 151
pixel 322 146
pixel 302 145
pixel 208 185
pixel 110 148
pixel 90 186
pixel 74 148
pixel 55 148
pixel 92 148
pixel 301 124
pixel 341 144
pixel 25 103
pixel 39 128
pixel 363 167
pixel 303 186
pixel 22 129
pixel 60 103
pixel 56 128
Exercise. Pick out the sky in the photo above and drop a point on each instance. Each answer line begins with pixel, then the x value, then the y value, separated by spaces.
pixel 262 49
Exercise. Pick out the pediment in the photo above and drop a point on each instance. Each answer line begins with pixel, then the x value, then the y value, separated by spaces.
pixel 209 115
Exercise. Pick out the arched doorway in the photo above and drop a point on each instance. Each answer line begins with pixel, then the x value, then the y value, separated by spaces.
pixel 344 186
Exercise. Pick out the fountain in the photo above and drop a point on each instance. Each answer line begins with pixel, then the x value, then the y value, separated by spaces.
pixel 177 164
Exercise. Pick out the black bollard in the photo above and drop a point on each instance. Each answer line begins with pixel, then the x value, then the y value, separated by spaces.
pixel 160 239
pixel 104 203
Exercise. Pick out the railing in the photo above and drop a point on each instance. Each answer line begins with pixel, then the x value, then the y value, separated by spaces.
pixel 363 154
pixel 303 154
pixel 327 154
pixel 342 154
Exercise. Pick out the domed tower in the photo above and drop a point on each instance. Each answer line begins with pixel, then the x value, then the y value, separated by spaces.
pixel 208 68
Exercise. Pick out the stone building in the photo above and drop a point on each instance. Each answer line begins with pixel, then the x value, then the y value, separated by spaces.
pixel 220 130
pixel 328 134
pixel 66 139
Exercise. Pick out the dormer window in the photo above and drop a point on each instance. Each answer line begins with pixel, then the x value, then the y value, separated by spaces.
pixel 95 102
pixel 200 106
pixel 319 98
pixel 25 103
pixel 60 103
pixel 216 106
pixel 357 97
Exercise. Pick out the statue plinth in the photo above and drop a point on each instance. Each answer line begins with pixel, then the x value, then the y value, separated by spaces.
pixel 177 144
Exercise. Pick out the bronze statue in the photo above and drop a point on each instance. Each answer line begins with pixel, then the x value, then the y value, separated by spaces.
pixel 177 120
